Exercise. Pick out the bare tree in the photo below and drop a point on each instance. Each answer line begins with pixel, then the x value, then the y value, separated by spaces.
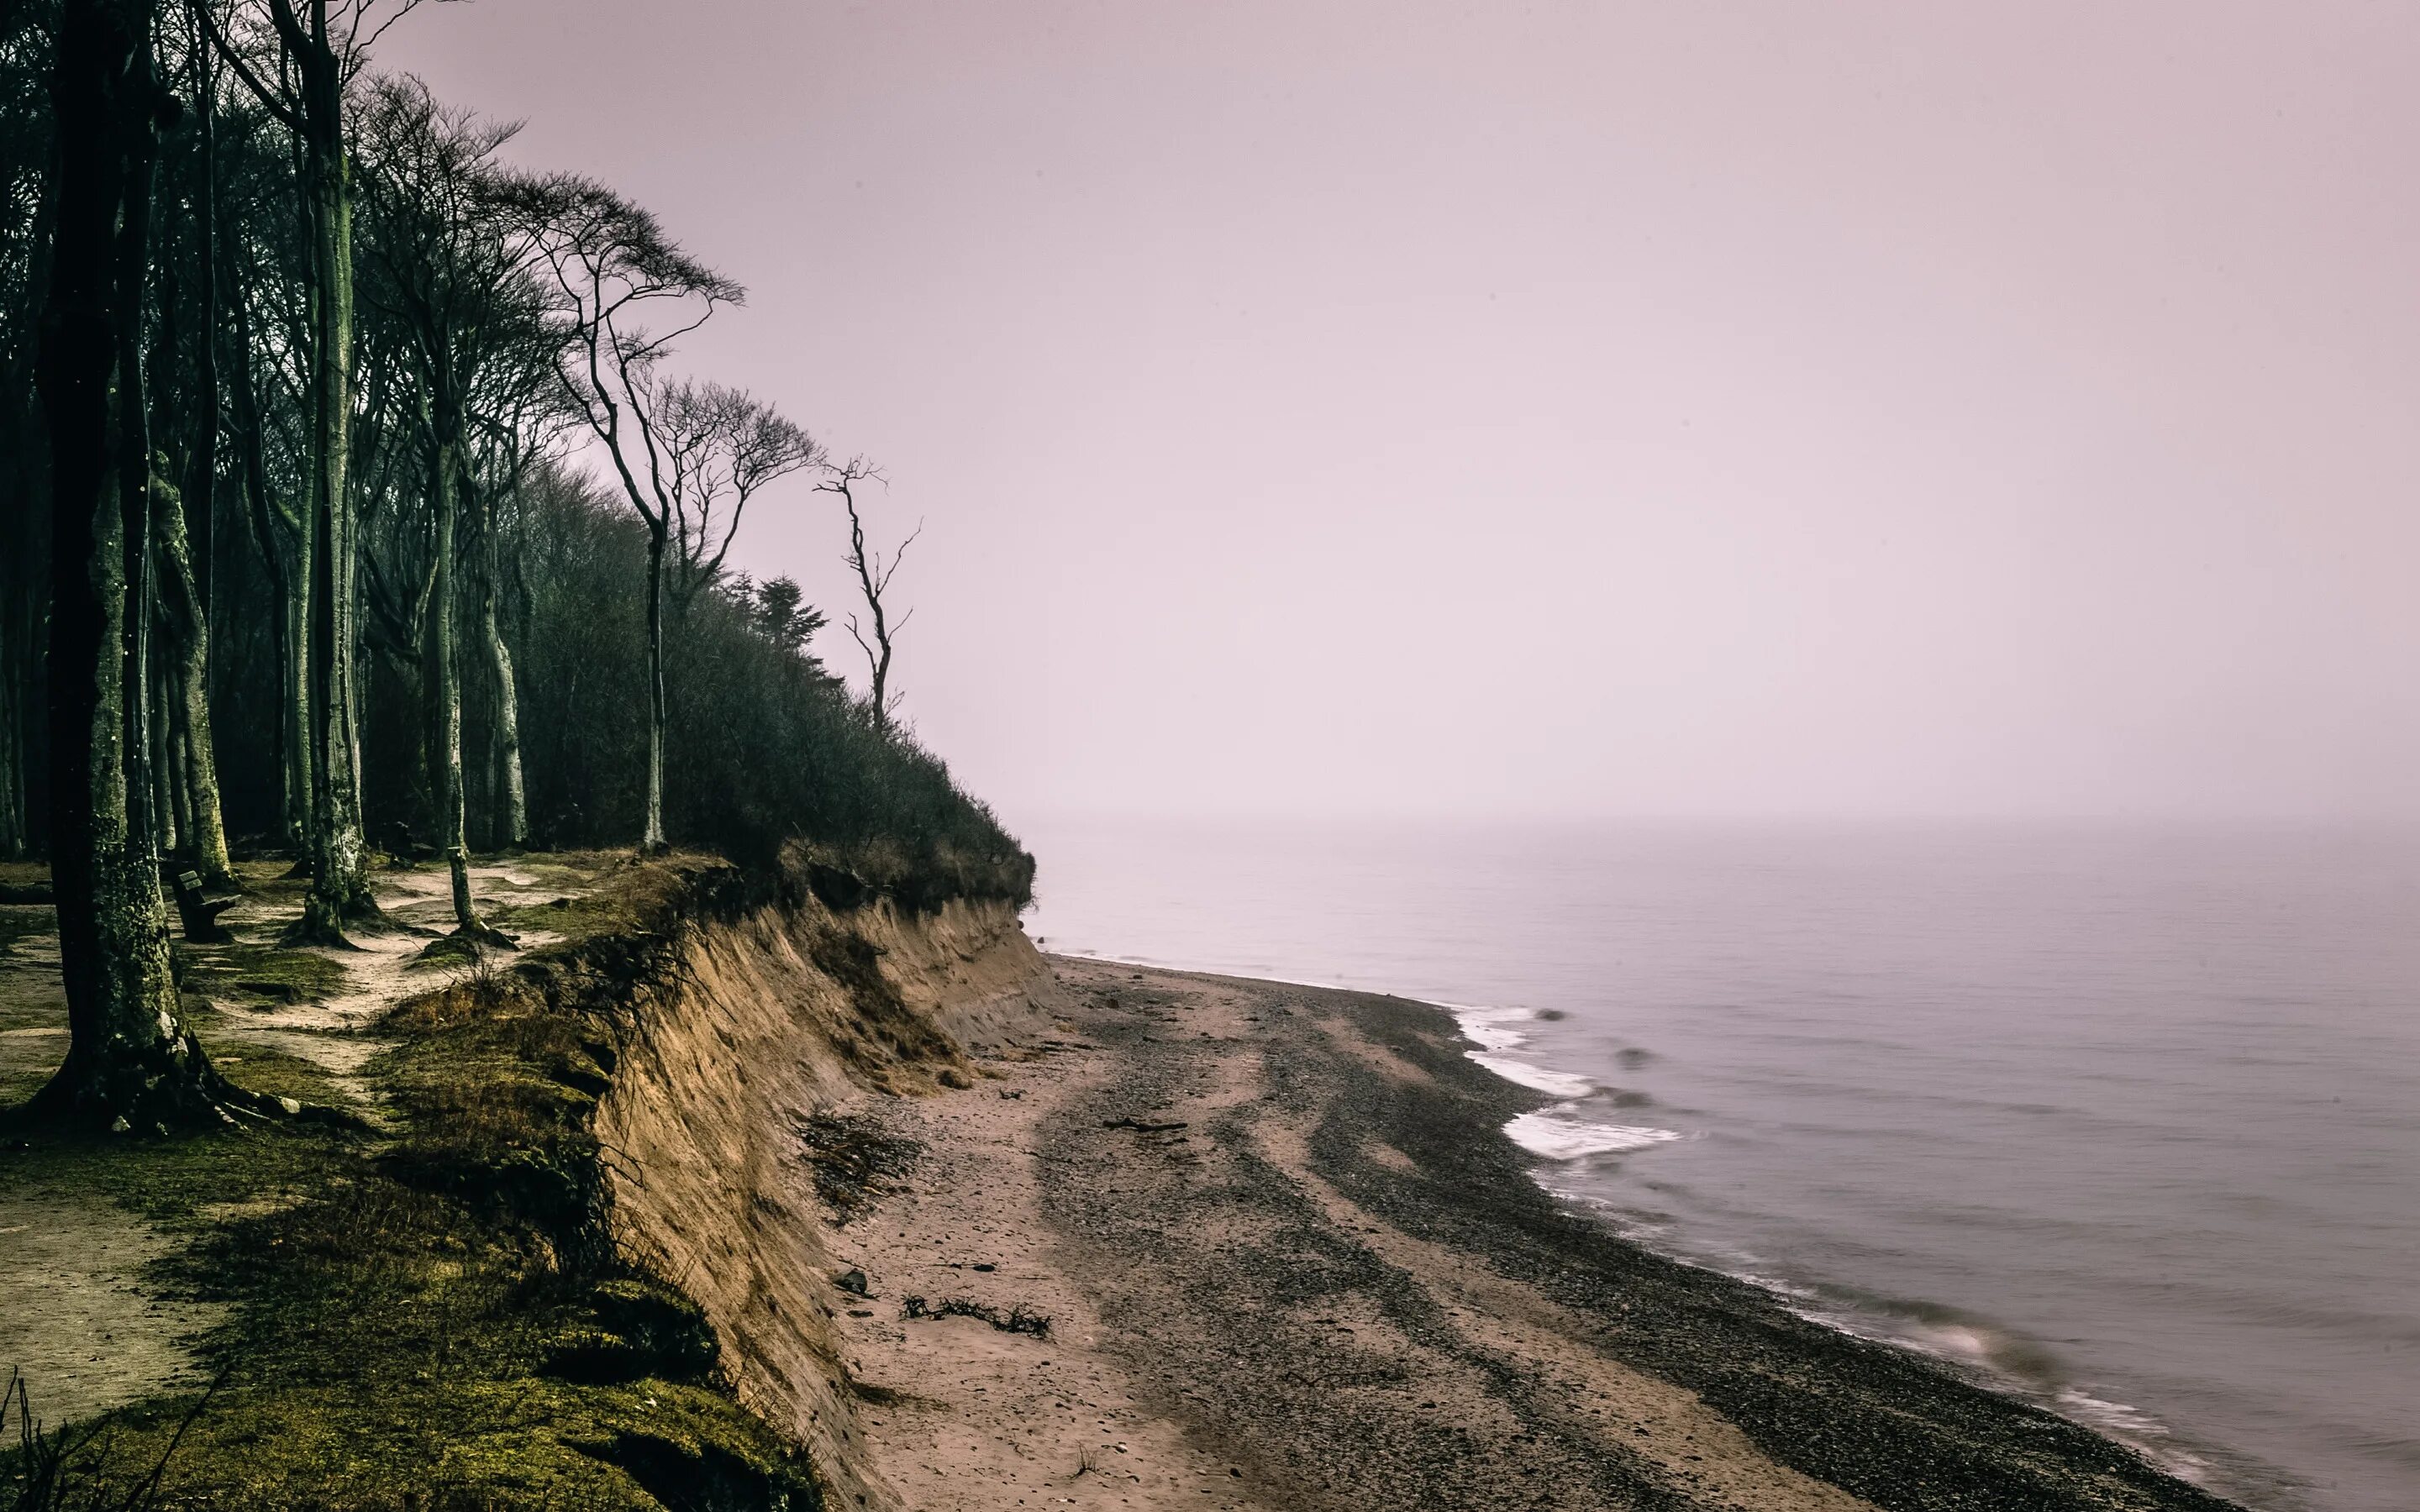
pixel 444 275
pixel 520 419
pixel 321 48
pixel 873 577
pixel 611 266
pixel 723 446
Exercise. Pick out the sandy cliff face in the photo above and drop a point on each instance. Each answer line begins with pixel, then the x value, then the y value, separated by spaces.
pixel 790 1011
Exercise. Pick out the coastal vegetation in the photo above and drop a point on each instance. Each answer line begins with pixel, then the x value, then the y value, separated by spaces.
pixel 356 508
pixel 366 564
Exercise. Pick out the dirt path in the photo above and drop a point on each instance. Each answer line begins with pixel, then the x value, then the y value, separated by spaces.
pixel 84 1318
pixel 331 1028
pixel 1288 1263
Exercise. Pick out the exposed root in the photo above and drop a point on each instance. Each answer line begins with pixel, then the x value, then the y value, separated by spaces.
pixel 1017 1320
pixel 479 931
pixel 324 925
pixel 854 1161
pixel 168 1089
pixel 313 928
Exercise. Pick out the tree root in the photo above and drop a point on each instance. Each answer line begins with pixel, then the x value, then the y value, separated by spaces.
pixel 324 927
pixel 315 928
pixel 479 931
pixel 167 1089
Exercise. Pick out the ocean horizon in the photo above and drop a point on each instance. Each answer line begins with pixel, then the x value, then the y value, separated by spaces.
pixel 2120 1118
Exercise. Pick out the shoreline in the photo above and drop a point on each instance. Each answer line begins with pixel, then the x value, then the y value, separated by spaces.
pixel 1291 1261
pixel 1497 1043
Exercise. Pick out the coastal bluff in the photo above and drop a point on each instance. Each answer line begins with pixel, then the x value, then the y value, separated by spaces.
pixel 754 1025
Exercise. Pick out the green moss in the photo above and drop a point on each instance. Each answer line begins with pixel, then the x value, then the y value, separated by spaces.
pixel 591 895
pixel 438 1319
pixel 260 974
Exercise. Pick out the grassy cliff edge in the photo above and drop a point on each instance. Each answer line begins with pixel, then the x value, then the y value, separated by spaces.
pixel 467 1298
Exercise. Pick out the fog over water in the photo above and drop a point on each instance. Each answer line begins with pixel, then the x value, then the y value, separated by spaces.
pixel 1584 408
pixel 2125 1119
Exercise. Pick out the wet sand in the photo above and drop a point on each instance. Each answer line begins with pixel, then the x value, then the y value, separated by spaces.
pixel 1333 1285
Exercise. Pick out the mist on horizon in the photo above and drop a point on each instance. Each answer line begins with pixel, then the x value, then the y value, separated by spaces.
pixel 1599 411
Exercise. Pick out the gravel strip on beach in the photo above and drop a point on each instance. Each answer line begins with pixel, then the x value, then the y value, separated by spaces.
pixel 1288 1261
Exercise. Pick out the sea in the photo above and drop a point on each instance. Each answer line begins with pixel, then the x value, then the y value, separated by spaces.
pixel 2120 1118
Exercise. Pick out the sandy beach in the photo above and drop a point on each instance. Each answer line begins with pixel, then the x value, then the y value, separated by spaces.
pixel 1287 1260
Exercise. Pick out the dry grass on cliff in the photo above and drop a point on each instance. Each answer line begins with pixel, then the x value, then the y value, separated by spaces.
pixel 438 1319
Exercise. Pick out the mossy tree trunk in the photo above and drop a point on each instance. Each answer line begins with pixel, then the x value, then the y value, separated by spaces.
pixel 444 615
pixel 186 629
pixel 340 892
pixel 188 542
pixel 512 794
pixel 131 1061
pixel 510 801
pixel 168 806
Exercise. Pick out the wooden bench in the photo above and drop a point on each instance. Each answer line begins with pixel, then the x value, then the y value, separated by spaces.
pixel 198 914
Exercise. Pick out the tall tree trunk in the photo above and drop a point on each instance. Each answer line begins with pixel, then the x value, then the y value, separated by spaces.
pixel 202 528
pixel 138 148
pixel 132 1062
pixel 514 796
pixel 24 558
pixel 654 842
pixel 167 813
pixel 14 685
pixel 294 715
pixel 21 547
pixel 443 615
pixel 187 633
pixel 510 801
pixel 340 890
pixel 279 539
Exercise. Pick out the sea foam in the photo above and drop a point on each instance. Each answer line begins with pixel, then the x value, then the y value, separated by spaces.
pixel 1491 1028
pixel 1559 1083
pixel 1494 1031
pixel 1555 1135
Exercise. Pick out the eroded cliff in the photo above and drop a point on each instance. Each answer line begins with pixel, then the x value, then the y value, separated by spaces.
pixel 751 1024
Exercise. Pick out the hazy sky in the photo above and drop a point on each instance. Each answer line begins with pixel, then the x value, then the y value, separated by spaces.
pixel 1601 408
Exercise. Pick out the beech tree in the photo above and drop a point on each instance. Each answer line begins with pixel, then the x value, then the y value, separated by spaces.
pixel 874 637
pixel 132 1063
pixel 274 564
pixel 610 266
pixel 320 58
pixel 443 276
pixel 721 447
pixel 189 744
